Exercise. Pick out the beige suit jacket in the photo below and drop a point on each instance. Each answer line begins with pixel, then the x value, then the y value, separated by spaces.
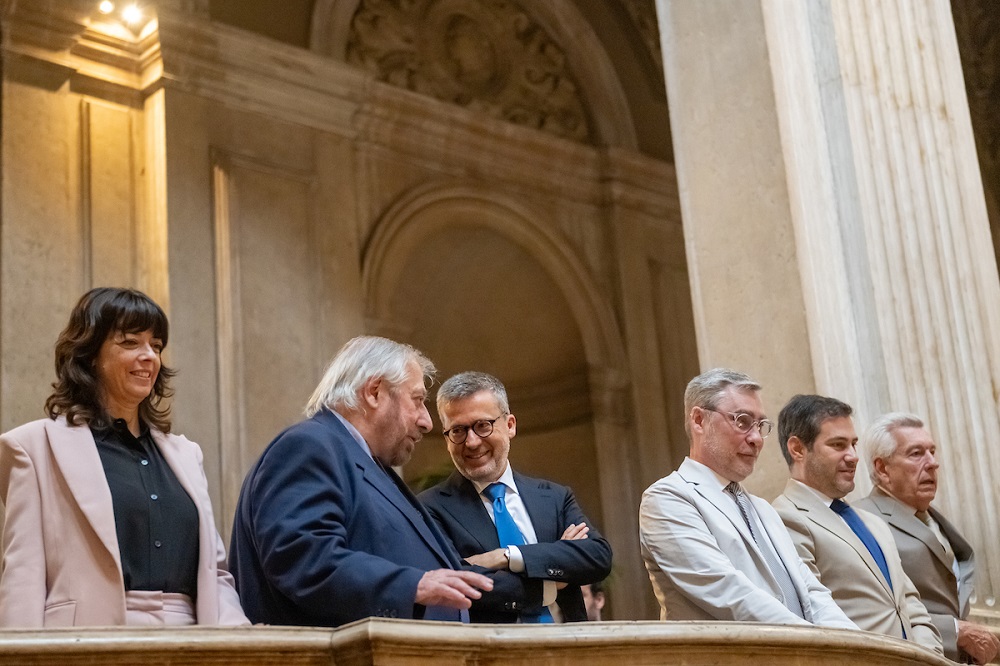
pixel 61 564
pixel 928 565
pixel 704 564
pixel 842 562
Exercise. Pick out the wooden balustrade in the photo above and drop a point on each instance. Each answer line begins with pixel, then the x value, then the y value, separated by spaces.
pixel 408 643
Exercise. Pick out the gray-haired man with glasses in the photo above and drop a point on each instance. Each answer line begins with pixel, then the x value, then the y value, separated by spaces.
pixel 503 520
pixel 712 550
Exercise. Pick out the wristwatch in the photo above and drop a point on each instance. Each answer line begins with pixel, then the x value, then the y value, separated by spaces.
pixel 506 555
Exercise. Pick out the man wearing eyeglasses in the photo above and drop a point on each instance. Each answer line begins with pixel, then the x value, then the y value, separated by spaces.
pixel 503 520
pixel 851 551
pixel 937 558
pixel 712 550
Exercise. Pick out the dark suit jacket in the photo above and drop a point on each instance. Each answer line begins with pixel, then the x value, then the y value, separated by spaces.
pixel 459 511
pixel 324 536
pixel 927 565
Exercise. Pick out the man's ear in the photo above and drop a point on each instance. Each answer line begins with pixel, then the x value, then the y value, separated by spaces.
pixel 881 472
pixel 372 391
pixel 511 426
pixel 796 449
pixel 697 418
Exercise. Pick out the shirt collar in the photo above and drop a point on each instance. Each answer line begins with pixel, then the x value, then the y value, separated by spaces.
pixel 909 509
pixel 822 497
pixel 720 480
pixel 354 433
pixel 507 478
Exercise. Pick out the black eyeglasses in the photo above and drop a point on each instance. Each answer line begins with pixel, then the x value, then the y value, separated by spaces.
pixel 744 422
pixel 483 428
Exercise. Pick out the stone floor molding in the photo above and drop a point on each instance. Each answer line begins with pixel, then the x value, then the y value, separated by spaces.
pixel 379 642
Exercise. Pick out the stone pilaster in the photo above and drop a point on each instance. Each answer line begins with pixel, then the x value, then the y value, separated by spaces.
pixel 893 238
pixel 892 298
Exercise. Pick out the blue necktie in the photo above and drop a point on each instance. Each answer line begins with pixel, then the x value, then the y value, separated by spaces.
pixel 510 535
pixel 858 526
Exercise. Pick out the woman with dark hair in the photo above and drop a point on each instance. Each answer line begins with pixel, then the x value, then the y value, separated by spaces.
pixel 108 517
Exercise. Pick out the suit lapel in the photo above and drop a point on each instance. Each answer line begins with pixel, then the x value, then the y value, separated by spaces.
pixel 458 497
pixel 387 484
pixel 75 452
pixel 187 470
pixel 962 548
pixel 825 517
pixel 902 518
pixel 705 484
pixel 392 488
pixel 965 557
pixel 542 511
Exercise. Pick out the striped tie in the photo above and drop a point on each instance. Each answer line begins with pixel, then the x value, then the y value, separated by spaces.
pixel 778 570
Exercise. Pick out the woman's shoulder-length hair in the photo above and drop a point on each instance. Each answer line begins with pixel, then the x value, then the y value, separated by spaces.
pixel 99 313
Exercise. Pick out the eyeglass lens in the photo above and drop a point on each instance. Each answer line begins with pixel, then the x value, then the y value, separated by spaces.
pixel 483 428
pixel 744 422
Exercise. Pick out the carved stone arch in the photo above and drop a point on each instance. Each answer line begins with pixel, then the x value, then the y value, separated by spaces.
pixel 431 210
pixel 420 213
pixel 602 91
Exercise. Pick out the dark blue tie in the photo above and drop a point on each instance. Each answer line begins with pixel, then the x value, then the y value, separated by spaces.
pixel 858 526
pixel 510 535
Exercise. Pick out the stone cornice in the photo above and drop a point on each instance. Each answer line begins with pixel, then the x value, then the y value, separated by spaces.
pixel 100 58
pixel 241 69
pixel 642 183
pixel 436 133
pixel 182 51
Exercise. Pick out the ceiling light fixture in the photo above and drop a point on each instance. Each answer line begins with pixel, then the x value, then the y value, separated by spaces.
pixel 132 15
pixel 106 7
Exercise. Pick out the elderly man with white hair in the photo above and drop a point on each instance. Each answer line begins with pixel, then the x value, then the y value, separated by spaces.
pixel 903 467
pixel 326 532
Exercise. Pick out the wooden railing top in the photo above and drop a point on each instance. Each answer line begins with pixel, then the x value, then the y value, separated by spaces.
pixel 400 642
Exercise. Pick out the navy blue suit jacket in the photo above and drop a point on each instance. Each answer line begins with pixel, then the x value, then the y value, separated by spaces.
pixel 552 508
pixel 323 536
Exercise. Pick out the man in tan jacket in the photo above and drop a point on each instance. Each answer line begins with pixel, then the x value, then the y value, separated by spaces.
pixel 851 552
pixel 901 460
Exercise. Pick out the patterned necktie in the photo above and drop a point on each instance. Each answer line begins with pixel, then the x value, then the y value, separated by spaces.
pixel 510 535
pixel 778 570
pixel 853 520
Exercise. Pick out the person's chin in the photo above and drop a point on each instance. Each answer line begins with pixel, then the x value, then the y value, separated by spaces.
pixel 481 473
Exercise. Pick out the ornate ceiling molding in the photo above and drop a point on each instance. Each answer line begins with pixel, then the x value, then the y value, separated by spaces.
pixel 489 56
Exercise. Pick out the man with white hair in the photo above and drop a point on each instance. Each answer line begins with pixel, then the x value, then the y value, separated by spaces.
pixel 326 532
pixel 903 468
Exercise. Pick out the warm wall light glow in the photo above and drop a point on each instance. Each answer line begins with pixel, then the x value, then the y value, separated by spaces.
pixel 106 7
pixel 132 14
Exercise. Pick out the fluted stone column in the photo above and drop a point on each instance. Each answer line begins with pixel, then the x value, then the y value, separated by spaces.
pixel 868 262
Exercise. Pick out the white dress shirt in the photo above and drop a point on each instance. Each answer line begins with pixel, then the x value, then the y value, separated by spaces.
pixel 517 511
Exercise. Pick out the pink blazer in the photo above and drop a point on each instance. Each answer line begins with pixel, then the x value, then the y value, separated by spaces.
pixel 61 565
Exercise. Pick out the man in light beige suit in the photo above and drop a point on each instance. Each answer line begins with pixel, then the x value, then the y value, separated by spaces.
pixel 712 550
pixel 901 460
pixel 851 552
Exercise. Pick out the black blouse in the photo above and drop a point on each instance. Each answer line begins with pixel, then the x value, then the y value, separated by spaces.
pixel 155 519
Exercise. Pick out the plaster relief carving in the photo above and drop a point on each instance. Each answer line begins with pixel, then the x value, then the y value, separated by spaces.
pixel 486 55
pixel 643 14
